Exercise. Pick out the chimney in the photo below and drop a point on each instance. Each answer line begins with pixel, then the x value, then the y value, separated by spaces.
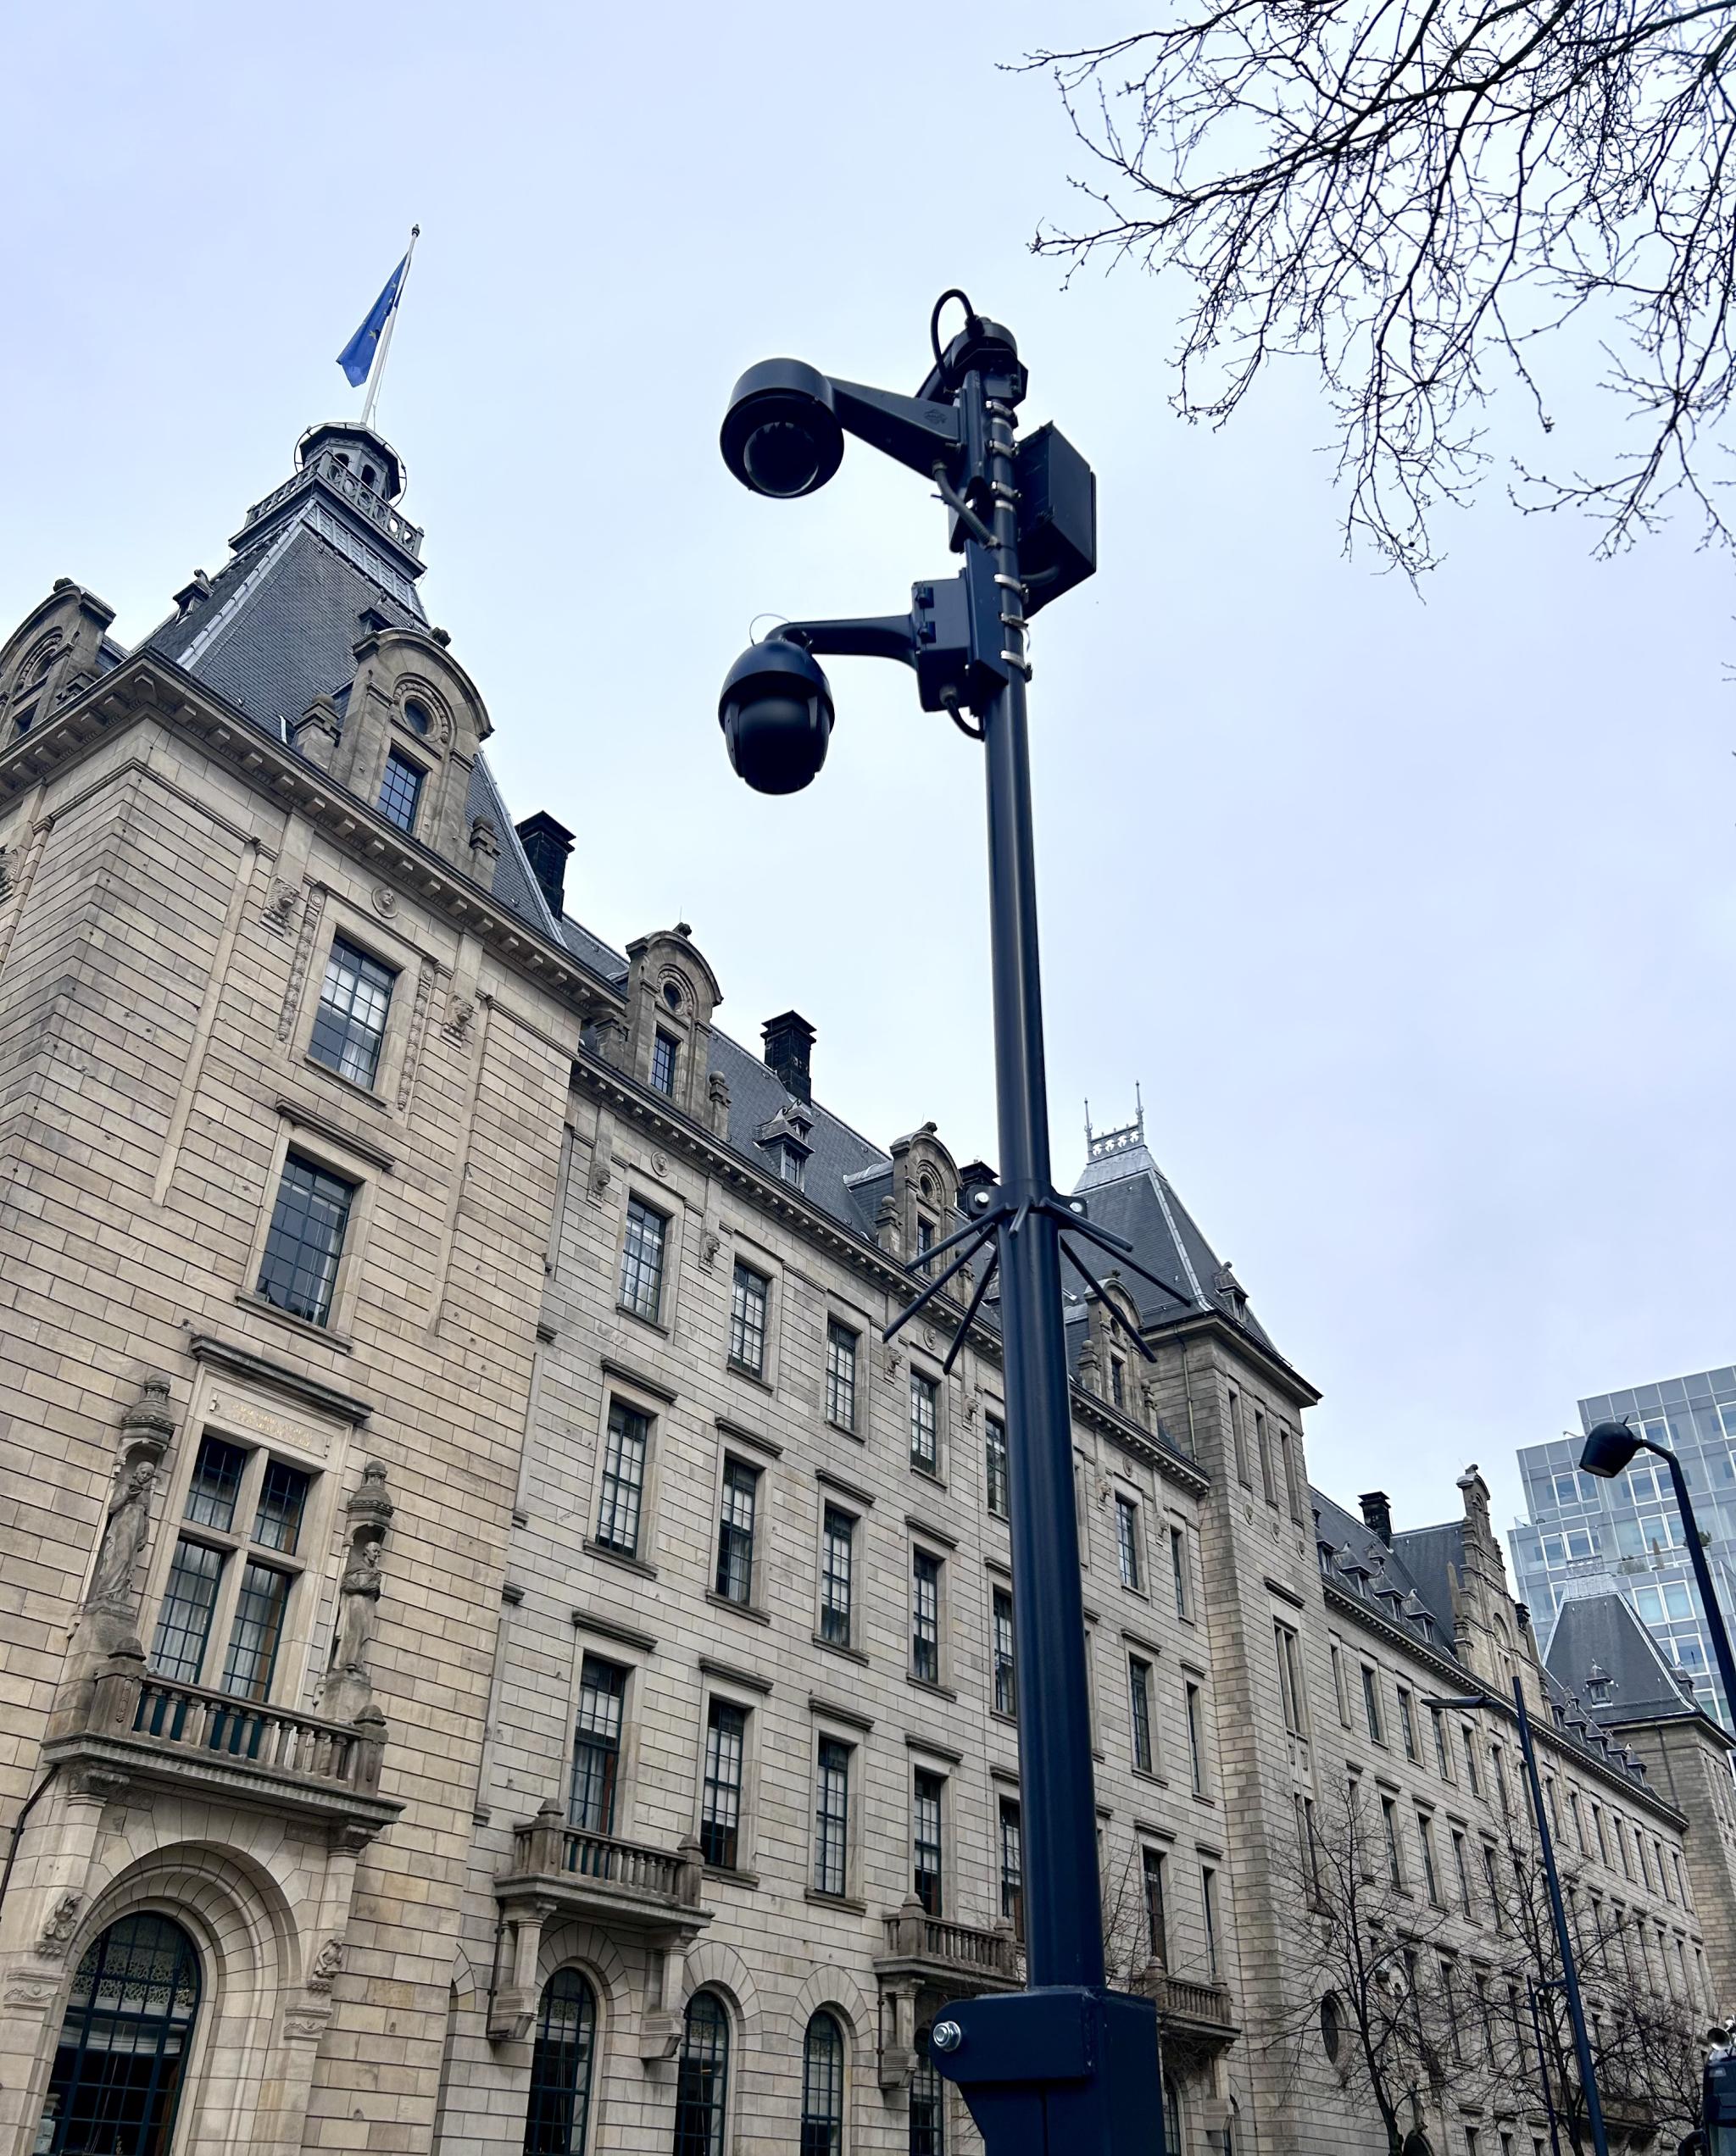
pixel 546 845
pixel 1377 1515
pixel 789 1041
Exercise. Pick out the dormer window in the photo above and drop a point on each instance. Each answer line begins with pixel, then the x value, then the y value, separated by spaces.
pixel 791 1166
pixel 925 1239
pixel 671 995
pixel 665 1050
pixel 416 718
pixel 401 790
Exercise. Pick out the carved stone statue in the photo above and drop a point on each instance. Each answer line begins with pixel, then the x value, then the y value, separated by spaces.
pixel 61 1923
pixel 124 1534
pixel 358 1608
pixel 328 1965
pixel 348 1691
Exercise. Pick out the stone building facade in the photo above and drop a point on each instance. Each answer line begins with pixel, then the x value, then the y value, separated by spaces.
pixel 498 1654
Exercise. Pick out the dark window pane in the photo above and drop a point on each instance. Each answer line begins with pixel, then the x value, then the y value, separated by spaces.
pixel 831 1815
pixel 283 1496
pixel 350 1024
pixel 306 1241
pixel 840 1376
pixel 217 1473
pixel 747 1320
pixel 560 2068
pixel 720 1811
pixel 823 2088
pixel 928 2105
pixel 596 1745
pixel 924 1617
pixel 735 1532
pixel 836 1568
pixel 124 2042
pixel 1006 1680
pixel 184 1622
pixel 928 1793
pixel 259 1626
pixel 1012 1867
pixel 623 1479
pixel 663 1061
pixel 400 791
pixel 995 1445
pixel 924 1396
pixel 641 1260
pixel 702 2078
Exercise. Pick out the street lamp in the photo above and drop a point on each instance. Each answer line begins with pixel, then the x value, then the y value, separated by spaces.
pixel 1609 1448
pixel 1557 1913
pixel 1067 2063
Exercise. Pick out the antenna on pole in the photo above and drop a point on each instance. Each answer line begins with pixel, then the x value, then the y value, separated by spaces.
pixel 378 373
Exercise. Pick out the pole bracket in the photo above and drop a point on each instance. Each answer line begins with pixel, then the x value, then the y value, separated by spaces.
pixel 1056 2071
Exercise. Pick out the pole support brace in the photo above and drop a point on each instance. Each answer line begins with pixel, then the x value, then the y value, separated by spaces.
pixel 1060 2071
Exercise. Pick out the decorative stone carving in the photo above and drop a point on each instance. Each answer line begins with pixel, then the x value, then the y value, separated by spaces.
pixel 710 1242
pixel 886 1225
pixel 61 1923
pixel 460 1016
pixel 349 1683
pixel 279 911
pixel 306 2024
pixel 894 1362
pixel 108 1621
pixel 384 900
pixel 328 1966
pixel 602 1167
pixel 717 1103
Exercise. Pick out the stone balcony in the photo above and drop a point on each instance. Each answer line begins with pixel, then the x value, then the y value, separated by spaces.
pixel 626 1888
pixel 924 1952
pixel 1193 2017
pixel 151 1732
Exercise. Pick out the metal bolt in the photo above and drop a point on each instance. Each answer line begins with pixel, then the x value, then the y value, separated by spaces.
pixel 947 2036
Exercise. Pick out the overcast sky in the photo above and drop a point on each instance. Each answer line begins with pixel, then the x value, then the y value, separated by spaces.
pixel 1414 920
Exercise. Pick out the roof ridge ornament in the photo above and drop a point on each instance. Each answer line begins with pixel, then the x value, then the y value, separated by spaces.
pixel 1101 1145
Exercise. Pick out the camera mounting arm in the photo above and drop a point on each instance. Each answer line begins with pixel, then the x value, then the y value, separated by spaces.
pixel 872 636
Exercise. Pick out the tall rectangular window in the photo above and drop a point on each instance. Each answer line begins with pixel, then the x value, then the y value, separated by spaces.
pixel 994 1453
pixel 837 1576
pixel 1290 1693
pixel 1389 1835
pixel 1239 1443
pixel 721 1806
pixel 1339 1693
pixel 401 790
pixel 624 1450
pixel 305 1241
pixel 1157 1914
pixel 283 1496
pixel 1425 1837
pixel 641 1260
pixel 257 1628
pixel 735 1532
pixel 1140 1707
pixel 1207 1901
pixel 924 1617
pixel 1128 1540
pixel 831 1818
pixel 664 1050
pixel 840 1375
pixel 596 1745
pixel 184 1621
pixel 747 1320
pixel 1268 1488
pixel 1178 1569
pixel 1442 1763
pixel 1371 1704
pixel 1407 1723
pixel 349 1026
pixel 1462 1868
pixel 1012 1867
pixel 927 1794
pixel 1006 1675
pixel 1196 1741
pixel 1287 1453
pixel 1472 1782
pixel 925 1399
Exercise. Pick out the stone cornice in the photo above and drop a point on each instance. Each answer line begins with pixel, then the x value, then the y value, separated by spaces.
pixel 676 1133
pixel 278 1377
pixel 1189 1325
pixel 149 685
pixel 1457 1676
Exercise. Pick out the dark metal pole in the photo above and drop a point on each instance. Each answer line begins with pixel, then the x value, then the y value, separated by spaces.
pixel 1570 1973
pixel 1703 1578
pixel 1543 2069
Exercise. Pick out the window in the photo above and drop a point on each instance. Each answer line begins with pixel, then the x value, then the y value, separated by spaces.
pixel 1441 1761
pixel 231 1485
pixel 1597 1822
pixel 1128 1540
pixel 747 1321
pixel 1157 1920
pixel 1012 1867
pixel 1263 1446
pixel 735 1532
pixel 927 2105
pixel 927 1794
pixel 641 1260
pixel 1139 1702
pixel 836 1567
pixel 1471 1782
pixel 1006 1673
pixel 349 1026
pixel 1577 1815
pixel 1196 1741
pixel 305 1240
pixel 623 1479
pixel 1290 1693
pixel 702 2078
pixel 924 1617
pixel 1489 1880
pixel 401 789
pixel 840 1375
pixel 415 715
pixel 1389 1835
pixel 721 1808
pixel 1462 1870
pixel 1407 1723
pixel 664 1050
pixel 1118 1382
pixel 1371 1704
pixel 560 2067
pixel 823 2088
pixel 1287 1454
pixel 994 1442
pixel 1340 1692
pixel 925 1395
pixel 1208 1902
pixel 596 1745
pixel 1178 1569
pixel 124 2040
pixel 831 1818
pixel 1424 1838
pixel 925 1242
pixel 1238 1441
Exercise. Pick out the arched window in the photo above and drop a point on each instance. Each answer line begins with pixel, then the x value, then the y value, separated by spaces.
pixel 702 2083
pixel 123 2043
pixel 927 2104
pixel 415 716
pixel 560 2067
pixel 823 2088
pixel 1172 2118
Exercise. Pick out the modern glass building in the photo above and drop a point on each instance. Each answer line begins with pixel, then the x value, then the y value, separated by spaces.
pixel 1586 1538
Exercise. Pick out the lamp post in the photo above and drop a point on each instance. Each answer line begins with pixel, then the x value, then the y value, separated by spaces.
pixel 1558 1912
pixel 1609 1448
pixel 1065 2064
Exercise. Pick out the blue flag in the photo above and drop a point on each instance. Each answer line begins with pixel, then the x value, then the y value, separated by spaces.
pixel 357 357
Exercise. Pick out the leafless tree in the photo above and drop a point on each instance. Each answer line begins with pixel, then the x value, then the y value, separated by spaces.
pixel 1411 194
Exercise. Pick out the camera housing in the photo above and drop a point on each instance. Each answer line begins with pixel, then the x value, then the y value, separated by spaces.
pixel 776 713
pixel 781 436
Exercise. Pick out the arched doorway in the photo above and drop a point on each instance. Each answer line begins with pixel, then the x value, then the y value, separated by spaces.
pixel 560 2067
pixel 123 2043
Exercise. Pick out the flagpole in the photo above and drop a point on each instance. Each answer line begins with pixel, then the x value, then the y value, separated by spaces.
pixel 378 373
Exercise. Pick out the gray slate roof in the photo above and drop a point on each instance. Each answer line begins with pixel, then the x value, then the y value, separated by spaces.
pixel 1604 1632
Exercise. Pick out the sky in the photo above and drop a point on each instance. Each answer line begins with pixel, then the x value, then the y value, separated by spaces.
pixel 1410 916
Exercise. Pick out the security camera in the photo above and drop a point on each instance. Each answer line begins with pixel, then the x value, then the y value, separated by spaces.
pixel 776 713
pixel 781 436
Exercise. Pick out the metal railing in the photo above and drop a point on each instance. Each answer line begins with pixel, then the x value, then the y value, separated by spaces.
pixel 344 481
